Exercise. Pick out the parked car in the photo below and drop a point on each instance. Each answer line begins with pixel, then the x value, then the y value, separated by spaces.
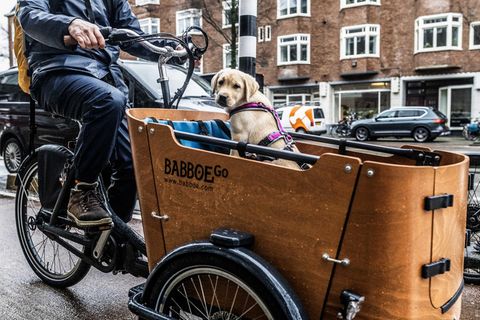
pixel 421 123
pixel 303 119
pixel 144 91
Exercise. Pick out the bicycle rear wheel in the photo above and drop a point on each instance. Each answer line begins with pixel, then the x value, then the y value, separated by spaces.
pixel 52 263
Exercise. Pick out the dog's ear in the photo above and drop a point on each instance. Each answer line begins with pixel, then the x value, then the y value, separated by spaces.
pixel 251 86
pixel 215 80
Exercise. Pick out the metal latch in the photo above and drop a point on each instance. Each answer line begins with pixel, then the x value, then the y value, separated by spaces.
pixel 438 202
pixel 435 268
pixel 351 305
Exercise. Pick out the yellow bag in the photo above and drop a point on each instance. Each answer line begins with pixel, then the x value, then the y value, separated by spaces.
pixel 19 46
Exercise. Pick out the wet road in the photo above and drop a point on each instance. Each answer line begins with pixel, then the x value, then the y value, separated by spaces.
pixel 23 296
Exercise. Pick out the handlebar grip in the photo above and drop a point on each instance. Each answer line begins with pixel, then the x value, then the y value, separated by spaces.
pixel 70 41
pixel 106 31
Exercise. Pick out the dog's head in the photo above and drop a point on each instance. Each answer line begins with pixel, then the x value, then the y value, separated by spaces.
pixel 233 88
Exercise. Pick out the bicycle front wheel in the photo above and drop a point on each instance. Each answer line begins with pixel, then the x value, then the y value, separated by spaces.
pixel 52 263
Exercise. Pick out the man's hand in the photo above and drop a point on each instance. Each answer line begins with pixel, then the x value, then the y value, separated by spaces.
pixel 86 34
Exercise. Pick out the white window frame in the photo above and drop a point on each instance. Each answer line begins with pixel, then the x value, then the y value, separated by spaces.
pixel 472 34
pixel 268 33
pixel 358 3
pixel 290 15
pixel 144 2
pixel 226 47
pixel 261 34
pixel 369 30
pixel 192 13
pixel 150 22
pixel 298 42
pixel 420 26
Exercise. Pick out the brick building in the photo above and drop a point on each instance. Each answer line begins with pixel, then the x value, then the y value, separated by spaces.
pixel 349 55
pixel 354 55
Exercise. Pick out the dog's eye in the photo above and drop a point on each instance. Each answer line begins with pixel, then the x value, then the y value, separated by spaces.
pixel 236 86
pixel 220 83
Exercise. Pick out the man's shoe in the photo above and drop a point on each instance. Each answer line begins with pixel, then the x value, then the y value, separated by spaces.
pixel 86 208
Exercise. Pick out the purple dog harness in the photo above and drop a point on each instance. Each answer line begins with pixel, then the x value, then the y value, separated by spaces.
pixel 274 136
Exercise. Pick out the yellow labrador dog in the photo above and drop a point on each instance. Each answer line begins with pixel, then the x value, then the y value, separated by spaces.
pixel 252 117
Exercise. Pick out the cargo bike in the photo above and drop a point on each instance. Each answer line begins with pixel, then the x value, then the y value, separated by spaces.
pixel 368 232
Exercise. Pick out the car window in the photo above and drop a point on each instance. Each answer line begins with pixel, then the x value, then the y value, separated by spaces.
pixel 197 87
pixel 410 113
pixel 9 89
pixel 318 113
pixel 440 114
pixel 387 114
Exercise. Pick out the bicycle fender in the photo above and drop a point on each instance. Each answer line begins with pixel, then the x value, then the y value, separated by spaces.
pixel 245 258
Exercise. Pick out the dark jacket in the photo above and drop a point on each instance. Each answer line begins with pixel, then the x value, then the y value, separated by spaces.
pixel 45 22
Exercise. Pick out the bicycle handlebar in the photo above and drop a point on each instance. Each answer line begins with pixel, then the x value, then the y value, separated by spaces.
pixel 117 36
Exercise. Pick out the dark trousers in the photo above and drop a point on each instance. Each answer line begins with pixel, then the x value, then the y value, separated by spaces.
pixel 103 137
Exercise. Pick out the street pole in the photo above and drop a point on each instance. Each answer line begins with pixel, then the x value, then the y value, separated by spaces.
pixel 248 36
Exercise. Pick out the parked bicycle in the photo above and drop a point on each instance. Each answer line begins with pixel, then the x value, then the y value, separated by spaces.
pixel 472 243
pixel 344 127
pixel 471 131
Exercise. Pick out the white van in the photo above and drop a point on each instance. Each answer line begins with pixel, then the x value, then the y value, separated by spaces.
pixel 303 119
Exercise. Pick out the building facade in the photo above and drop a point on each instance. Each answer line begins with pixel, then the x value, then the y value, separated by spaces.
pixel 360 56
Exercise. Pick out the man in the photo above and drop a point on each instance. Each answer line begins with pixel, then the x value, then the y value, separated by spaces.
pixel 84 82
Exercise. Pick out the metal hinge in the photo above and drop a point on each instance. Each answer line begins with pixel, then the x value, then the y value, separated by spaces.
pixel 435 268
pixel 438 202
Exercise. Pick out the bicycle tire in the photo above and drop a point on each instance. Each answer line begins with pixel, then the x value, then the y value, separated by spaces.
pixel 48 272
pixel 209 272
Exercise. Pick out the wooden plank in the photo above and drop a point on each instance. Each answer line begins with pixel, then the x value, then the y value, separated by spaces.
pixel 449 227
pixel 388 239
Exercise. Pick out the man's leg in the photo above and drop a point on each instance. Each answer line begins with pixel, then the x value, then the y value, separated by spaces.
pixel 100 107
pixel 122 192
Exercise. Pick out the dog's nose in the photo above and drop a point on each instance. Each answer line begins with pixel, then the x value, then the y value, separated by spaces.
pixel 222 99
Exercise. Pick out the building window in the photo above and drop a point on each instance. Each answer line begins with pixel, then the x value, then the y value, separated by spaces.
pixel 357 3
pixel 150 25
pixel 268 33
pixel 360 41
pixel 188 18
pixel 438 32
pixel 364 99
pixel 261 34
pixel 292 8
pixel 227 56
pixel 294 49
pixel 475 35
pixel 142 2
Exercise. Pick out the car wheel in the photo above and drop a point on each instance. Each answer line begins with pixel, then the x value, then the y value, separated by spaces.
pixel 301 130
pixel 421 134
pixel 12 155
pixel 361 134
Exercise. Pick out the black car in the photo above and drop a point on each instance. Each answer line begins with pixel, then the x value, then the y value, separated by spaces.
pixel 144 91
pixel 421 123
